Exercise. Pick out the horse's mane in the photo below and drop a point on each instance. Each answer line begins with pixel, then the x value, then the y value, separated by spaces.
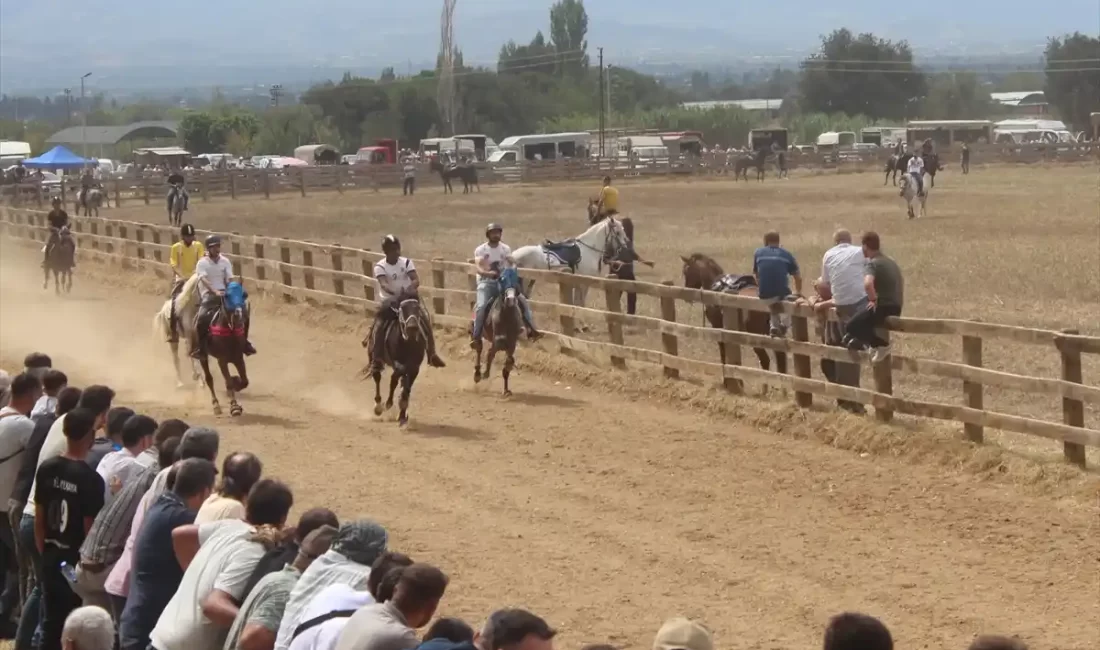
pixel 706 261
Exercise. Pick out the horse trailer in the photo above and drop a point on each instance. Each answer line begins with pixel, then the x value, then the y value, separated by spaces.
pixel 768 138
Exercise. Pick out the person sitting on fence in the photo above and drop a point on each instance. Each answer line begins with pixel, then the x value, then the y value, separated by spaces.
pixel 608 205
pixel 397 281
pixel 491 257
pixel 885 296
pixel 215 272
pixel 771 264
pixel 57 219
pixel 177 182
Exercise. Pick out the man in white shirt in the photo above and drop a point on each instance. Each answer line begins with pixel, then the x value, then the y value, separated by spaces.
pixel 397 281
pixel 215 272
pixel 842 272
pixel 117 466
pixel 915 169
pixel 16 429
pixel 491 257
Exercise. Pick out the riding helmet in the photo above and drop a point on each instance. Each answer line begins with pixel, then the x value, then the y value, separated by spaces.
pixel 494 226
pixel 187 230
pixel 390 240
pixel 213 240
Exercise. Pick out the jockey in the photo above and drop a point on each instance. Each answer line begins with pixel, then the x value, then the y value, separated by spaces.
pixel 928 148
pixel 490 257
pixel 183 258
pixel 177 180
pixel 87 182
pixel 609 200
pixel 397 280
pixel 58 219
pixel 915 169
pixel 215 272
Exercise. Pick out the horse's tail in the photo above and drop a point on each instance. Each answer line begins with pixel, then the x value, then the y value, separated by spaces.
pixel 162 321
pixel 187 295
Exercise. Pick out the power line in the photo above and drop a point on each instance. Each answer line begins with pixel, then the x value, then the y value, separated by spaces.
pixel 915 70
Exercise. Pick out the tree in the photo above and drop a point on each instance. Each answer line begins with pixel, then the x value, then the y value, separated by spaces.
pixel 862 75
pixel 568 29
pixel 537 56
pixel 195 132
pixel 1073 77
pixel 347 105
pixel 956 96
pixel 387 75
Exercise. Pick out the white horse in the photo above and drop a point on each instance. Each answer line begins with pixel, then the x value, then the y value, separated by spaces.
pixel 186 308
pixel 915 203
pixel 584 254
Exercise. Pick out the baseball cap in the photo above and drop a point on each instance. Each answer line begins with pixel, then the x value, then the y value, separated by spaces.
pixel 682 634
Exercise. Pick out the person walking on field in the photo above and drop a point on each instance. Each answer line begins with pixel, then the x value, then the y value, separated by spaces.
pixel 771 264
pixel 885 289
pixel 965 159
pixel 408 169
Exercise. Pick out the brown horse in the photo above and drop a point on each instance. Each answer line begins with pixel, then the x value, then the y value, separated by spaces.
pixel 226 343
pixel 406 347
pixel 702 272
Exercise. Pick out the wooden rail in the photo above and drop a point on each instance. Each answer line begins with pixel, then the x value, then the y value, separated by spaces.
pixel 331 274
pixel 240 183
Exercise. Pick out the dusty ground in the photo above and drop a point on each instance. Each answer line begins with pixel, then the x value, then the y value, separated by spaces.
pixel 1017 245
pixel 605 513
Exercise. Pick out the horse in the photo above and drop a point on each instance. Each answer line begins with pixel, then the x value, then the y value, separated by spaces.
pixel 61 260
pixel 91 201
pixel 406 347
pixel 466 173
pixel 226 343
pixel 896 163
pixel 176 204
pixel 931 166
pixel 741 166
pixel 702 272
pixel 760 159
pixel 916 203
pixel 502 329
pixel 583 254
pixel 185 306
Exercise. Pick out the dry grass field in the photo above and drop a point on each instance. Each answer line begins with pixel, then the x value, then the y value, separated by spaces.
pixel 1015 245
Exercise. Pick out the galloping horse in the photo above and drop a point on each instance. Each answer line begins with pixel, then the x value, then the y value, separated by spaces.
pixel 226 343
pixel 931 166
pixel 702 272
pixel 465 173
pixel 91 201
pixel 61 260
pixel 502 328
pixel 177 317
pixel 583 254
pixel 896 163
pixel 914 202
pixel 406 346
pixel 176 204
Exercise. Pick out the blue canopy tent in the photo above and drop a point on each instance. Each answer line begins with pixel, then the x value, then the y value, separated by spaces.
pixel 58 158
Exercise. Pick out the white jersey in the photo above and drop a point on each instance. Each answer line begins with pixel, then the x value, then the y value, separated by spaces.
pixel 217 273
pixel 398 276
pixel 842 268
pixel 916 165
pixel 492 254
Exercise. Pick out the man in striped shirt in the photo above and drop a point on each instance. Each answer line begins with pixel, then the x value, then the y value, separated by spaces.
pixel 408 168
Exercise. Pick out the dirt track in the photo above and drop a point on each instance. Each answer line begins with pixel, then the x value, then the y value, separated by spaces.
pixel 604 515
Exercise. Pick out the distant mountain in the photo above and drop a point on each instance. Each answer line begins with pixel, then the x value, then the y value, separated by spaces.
pixel 137 43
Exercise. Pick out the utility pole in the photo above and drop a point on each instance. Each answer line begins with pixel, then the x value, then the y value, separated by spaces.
pixel 83 120
pixel 602 124
pixel 276 92
pixel 68 107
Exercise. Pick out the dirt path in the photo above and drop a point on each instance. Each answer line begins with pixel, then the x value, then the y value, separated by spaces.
pixel 603 515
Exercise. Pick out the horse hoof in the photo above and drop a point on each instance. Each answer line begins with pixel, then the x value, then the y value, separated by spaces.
pixel 217 410
pixel 389 405
pixel 403 421
pixel 477 377
pixel 236 410
pixel 378 409
pixel 507 393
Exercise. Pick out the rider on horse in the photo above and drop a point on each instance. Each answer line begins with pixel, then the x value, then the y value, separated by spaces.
pixel 183 258
pixel 490 258
pixel 58 219
pixel 915 169
pixel 176 180
pixel 215 272
pixel 398 281
pixel 87 182
pixel 608 205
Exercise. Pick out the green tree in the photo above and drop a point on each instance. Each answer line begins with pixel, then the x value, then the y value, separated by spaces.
pixel 1073 77
pixel 347 106
pixel 568 32
pixel 956 96
pixel 862 75
pixel 537 56
pixel 387 75
pixel 195 132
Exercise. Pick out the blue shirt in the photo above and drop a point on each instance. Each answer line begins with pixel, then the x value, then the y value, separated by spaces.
pixel 156 575
pixel 772 265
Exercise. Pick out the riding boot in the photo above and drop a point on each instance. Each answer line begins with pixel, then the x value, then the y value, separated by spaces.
pixel 199 349
pixel 378 349
pixel 433 358
pixel 532 333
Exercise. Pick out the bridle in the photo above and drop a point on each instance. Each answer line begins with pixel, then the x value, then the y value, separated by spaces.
pixel 410 321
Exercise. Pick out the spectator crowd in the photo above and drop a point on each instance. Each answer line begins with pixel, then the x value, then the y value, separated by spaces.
pixel 123 532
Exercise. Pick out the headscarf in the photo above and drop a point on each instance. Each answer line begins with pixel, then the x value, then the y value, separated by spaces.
pixel 361 541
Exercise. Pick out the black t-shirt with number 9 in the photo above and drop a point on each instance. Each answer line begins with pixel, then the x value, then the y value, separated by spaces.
pixel 68 491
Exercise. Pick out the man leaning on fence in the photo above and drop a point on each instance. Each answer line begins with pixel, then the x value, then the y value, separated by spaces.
pixel 842 270
pixel 885 289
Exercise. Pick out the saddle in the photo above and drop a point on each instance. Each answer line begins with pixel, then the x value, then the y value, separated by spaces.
pixel 733 283
pixel 568 252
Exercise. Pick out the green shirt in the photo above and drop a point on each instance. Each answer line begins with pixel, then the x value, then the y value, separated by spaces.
pixel 889 284
pixel 265 605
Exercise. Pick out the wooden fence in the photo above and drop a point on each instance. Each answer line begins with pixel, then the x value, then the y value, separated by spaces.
pixel 336 275
pixel 240 183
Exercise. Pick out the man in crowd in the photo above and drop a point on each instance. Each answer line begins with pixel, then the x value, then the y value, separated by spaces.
pixel 682 634
pixel 16 430
pixel 240 471
pixel 515 629
pixel 257 624
pixel 885 289
pixel 68 497
pixel 111 439
pixel 842 273
pixel 116 467
pixel 287 551
pixel 52 383
pixel 218 559
pixel 392 625
pixel 852 631
pixel 771 264
pixel 356 546
pixel 157 574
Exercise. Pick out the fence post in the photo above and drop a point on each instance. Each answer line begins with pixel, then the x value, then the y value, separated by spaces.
pixel 307 261
pixel 118 192
pixel 732 319
pixel 368 281
pixel 157 255
pixel 261 271
pixel 337 265
pixel 109 231
pixel 235 249
pixel 439 281
pixel 614 325
pixel 1073 410
pixel 670 344
pixel 203 188
pixel 302 179
pixel 972 390
pixel 565 297
pixel 284 255
pixel 884 380
pixel 800 331
pixel 471 284
pixel 140 234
